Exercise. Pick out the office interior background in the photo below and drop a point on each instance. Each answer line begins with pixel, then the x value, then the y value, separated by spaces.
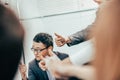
pixel 64 17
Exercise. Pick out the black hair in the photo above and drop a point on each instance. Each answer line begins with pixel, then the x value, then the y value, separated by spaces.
pixel 11 42
pixel 44 38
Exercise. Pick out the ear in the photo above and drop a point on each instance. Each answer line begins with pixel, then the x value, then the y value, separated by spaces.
pixel 50 47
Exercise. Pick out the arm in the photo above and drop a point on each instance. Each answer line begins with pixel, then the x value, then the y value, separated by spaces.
pixel 75 38
pixel 66 61
pixel 79 36
pixel 60 70
pixel 81 72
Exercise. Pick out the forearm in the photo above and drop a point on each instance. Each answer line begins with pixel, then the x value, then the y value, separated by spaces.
pixel 83 72
pixel 80 36
pixel 66 61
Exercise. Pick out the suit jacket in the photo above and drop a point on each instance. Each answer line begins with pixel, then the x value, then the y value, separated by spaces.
pixel 36 73
pixel 80 36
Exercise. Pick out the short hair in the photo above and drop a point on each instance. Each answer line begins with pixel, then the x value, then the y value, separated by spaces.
pixel 11 42
pixel 44 38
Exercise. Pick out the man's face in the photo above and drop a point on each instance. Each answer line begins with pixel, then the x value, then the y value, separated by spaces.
pixel 98 1
pixel 39 50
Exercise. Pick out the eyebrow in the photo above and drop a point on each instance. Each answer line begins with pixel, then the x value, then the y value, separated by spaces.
pixel 35 47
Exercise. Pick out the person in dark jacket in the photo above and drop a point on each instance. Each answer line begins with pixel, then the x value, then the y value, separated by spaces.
pixel 42 42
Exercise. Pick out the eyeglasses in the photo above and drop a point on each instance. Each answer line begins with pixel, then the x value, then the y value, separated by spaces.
pixel 38 50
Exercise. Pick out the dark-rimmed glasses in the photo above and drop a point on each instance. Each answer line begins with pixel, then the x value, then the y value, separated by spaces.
pixel 38 50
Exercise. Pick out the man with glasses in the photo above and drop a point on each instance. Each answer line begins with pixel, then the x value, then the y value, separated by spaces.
pixel 42 42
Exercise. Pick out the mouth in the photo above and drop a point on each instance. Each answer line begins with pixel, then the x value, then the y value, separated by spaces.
pixel 36 56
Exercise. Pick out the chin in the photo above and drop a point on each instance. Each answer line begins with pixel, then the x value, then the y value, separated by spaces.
pixel 37 59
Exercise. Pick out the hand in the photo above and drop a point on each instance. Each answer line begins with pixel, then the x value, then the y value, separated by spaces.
pixel 57 69
pixel 59 40
pixel 51 63
pixel 55 66
pixel 23 69
pixel 42 65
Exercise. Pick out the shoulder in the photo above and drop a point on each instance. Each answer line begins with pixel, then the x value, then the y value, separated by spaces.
pixel 31 63
pixel 61 55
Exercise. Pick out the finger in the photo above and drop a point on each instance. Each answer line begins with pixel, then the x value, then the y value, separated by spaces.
pixel 20 63
pixel 42 65
pixel 42 57
pixel 42 62
pixel 59 44
pixel 59 39
pixel 57 35
pixel 43 68
pixel 50 53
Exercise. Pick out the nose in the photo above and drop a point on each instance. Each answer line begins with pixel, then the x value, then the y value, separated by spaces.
pixel 35 52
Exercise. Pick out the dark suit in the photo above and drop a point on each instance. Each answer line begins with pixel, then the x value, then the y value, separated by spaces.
pixel 36 73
